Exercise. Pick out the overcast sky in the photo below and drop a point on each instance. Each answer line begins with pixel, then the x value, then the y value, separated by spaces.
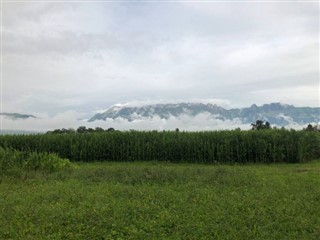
pixel 82 57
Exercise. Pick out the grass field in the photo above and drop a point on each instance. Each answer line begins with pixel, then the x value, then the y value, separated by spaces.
pixel 163 201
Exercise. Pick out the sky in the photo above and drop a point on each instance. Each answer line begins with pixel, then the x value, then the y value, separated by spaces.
pixel 76 58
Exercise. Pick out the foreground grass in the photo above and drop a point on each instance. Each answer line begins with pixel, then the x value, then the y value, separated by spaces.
pixel 163 201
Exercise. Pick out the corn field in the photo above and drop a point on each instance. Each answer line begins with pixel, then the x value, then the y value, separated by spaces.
pixel 265 146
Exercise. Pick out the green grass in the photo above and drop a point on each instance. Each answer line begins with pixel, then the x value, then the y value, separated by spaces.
pixel 163 201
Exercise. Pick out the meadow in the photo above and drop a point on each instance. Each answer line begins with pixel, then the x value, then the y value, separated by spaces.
pixel 151 200
pixel 206 185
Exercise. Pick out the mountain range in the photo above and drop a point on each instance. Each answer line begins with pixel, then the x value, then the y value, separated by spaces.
pixel 16 116
pixel 275 113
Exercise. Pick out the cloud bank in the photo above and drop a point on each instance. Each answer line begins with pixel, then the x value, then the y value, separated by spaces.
pixel 82 57
pixel 71 119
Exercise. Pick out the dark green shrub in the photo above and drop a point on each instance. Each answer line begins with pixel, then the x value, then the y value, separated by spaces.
pixel 14 161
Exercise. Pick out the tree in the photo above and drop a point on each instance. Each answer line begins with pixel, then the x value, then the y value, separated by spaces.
pixel 81 129
pixel 71 130
pixel 56 131
pixel 312 128
pixel 259 124
pixel 267 125
pixel 110 129
pixel 99 129
pixel 90 130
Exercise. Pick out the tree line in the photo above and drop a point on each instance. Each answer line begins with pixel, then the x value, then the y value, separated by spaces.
pixel 258 125
pixel 81 129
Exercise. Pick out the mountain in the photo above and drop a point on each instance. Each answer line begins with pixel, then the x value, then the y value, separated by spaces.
pixel 18 132
pixel 275 113
pixel 15 116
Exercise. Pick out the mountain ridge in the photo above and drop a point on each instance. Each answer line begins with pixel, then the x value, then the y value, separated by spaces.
pixel 15 116
pixel 275 113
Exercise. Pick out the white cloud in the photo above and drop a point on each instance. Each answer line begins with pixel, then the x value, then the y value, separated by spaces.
pixel 291 95
pixel 70 119
pixel 220 102
pixel 88 56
